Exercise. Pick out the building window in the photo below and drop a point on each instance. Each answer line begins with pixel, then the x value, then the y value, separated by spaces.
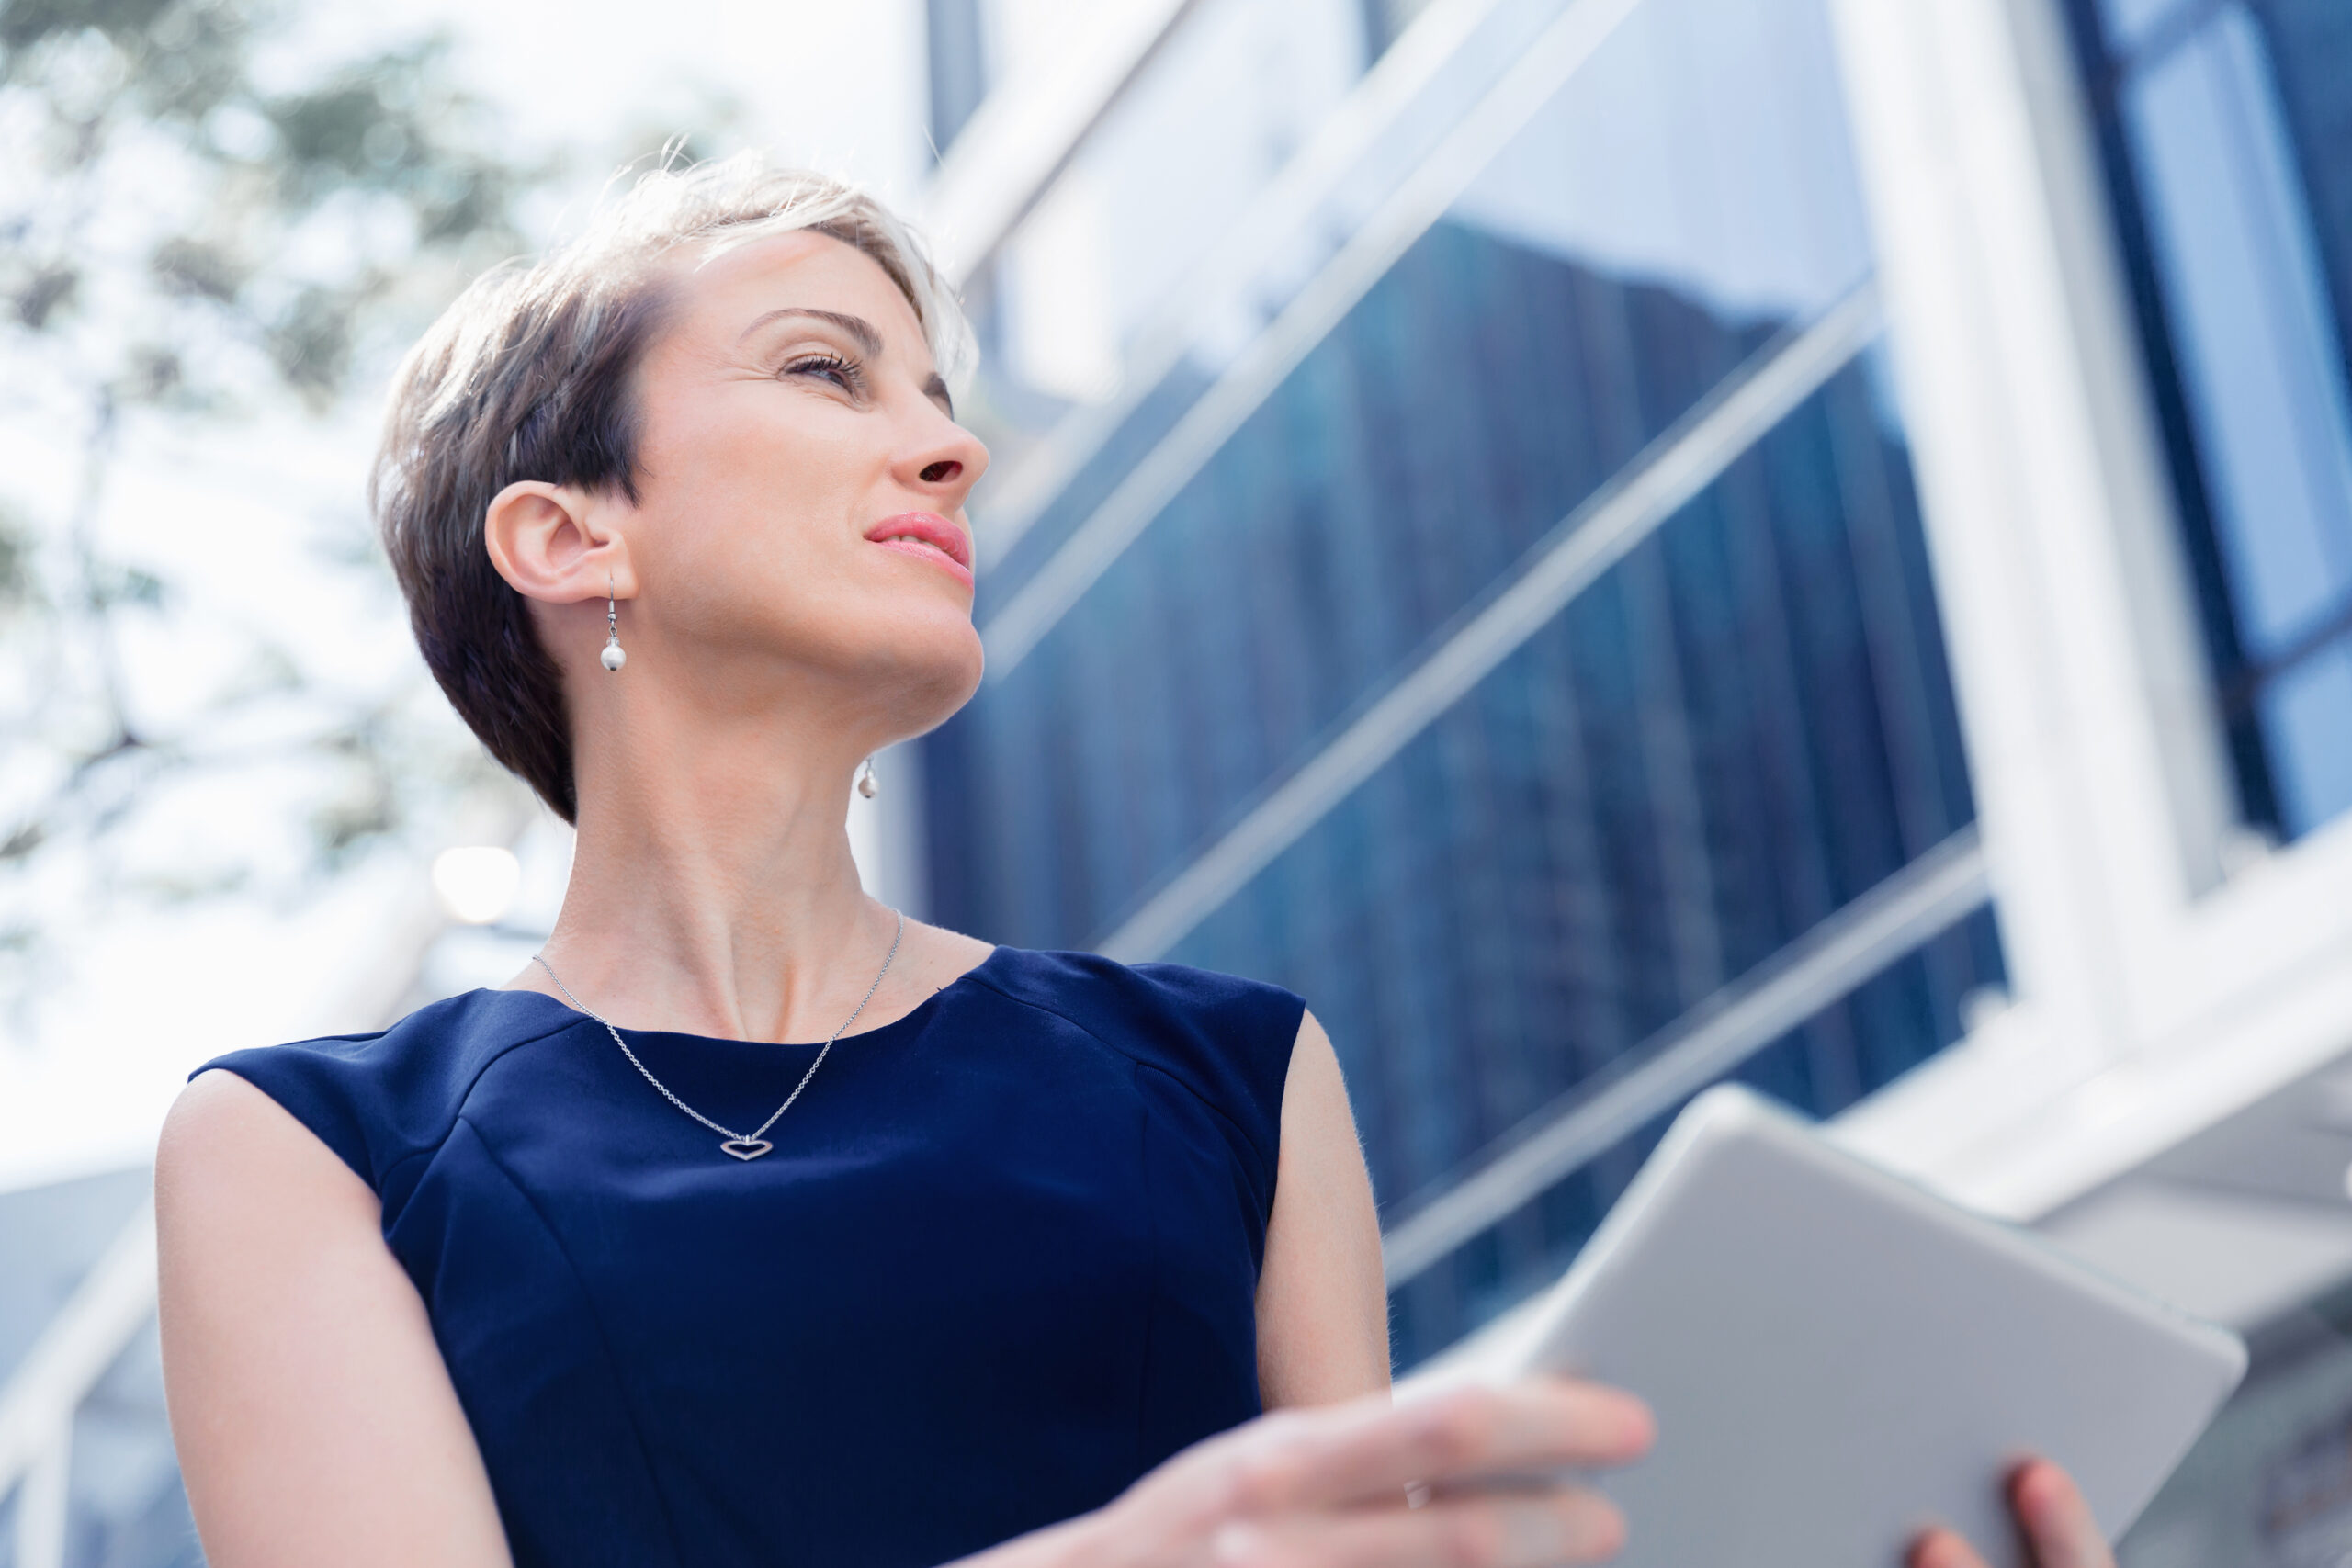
pixel 2226 127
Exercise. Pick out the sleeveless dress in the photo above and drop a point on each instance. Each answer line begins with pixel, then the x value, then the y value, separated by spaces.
pixel 1002 1262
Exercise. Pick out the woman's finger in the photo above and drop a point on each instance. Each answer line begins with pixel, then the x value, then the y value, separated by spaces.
pixel 1521 1530
pixel 1367 1451
pixel 2056 1521
pixel 1942 1548
pixel 1461 1433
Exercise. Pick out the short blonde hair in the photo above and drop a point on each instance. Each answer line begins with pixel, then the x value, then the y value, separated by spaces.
pixel 529 375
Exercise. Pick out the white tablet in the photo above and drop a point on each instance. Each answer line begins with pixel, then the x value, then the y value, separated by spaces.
pixel 1837 1359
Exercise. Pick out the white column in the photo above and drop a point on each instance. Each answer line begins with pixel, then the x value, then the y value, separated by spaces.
pixel 2153 996
pixel 42 1499
pixel 2074 647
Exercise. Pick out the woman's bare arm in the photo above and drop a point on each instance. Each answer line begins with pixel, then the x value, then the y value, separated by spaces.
pixel 314 1417
pixel 1322 1300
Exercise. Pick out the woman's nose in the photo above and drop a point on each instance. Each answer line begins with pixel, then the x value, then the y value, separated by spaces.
pixel 951 461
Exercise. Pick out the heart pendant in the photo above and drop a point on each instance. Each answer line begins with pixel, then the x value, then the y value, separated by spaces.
pixel 747 1148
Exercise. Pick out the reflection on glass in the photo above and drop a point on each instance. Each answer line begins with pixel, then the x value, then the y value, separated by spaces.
pixel 1094 370
pixel 2229 133
pixel 1737 730
pixel 1704 150
pixel 1169 170
pixel 1741 727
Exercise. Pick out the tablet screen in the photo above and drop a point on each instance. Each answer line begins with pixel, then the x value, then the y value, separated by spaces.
pixel 1837 1359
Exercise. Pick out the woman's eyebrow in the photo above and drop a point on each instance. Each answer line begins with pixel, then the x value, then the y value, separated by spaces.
pixel 860 331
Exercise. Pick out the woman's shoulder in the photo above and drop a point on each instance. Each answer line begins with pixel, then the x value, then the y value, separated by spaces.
pixel 1224 1037
pixel 377 1098
pixel 1089 989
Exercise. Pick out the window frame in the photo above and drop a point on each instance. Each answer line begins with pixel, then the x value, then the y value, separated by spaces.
pixel 2168 968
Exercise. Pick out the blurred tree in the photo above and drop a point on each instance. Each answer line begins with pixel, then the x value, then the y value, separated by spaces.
pixel 203 224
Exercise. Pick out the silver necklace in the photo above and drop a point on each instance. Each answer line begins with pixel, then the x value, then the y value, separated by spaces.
pixel 743 1146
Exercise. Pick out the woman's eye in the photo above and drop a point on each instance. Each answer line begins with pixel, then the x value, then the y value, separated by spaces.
pixel 842 373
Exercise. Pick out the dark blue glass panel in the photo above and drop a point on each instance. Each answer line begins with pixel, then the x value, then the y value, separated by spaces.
pixel 1478 393
pixel 1734 732
pixel 1739 728
pixel 1388 483
pixel 2227 127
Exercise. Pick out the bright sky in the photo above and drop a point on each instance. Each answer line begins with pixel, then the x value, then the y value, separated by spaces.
pixel 234 520
pixel 841 86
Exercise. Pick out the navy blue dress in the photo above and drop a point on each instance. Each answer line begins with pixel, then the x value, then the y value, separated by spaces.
pixel 1002 1262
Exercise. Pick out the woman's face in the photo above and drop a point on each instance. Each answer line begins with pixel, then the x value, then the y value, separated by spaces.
pixel 800 492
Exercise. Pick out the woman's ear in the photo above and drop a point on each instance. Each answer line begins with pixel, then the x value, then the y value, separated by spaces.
pixel 548 542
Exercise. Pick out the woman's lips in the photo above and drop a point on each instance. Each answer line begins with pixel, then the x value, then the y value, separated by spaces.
pixel 929 535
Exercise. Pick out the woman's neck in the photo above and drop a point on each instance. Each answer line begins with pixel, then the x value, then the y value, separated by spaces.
pixel 712 887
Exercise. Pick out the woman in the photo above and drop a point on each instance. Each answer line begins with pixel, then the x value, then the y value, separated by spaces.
pixel 678 513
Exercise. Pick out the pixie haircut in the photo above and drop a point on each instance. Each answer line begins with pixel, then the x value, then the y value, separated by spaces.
pixel 530 376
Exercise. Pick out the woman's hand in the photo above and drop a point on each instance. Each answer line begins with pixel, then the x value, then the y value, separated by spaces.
pixel 2056 1521
pixel 1327 1487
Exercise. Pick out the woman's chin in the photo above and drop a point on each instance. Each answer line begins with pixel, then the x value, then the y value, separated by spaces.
pixel 931 667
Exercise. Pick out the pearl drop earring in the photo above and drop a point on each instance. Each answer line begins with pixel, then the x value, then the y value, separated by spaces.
pixel 865 784
pixel 614 657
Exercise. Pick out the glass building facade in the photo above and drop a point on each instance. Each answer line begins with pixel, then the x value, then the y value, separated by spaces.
pixel 1375 646
pixel 2225 129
